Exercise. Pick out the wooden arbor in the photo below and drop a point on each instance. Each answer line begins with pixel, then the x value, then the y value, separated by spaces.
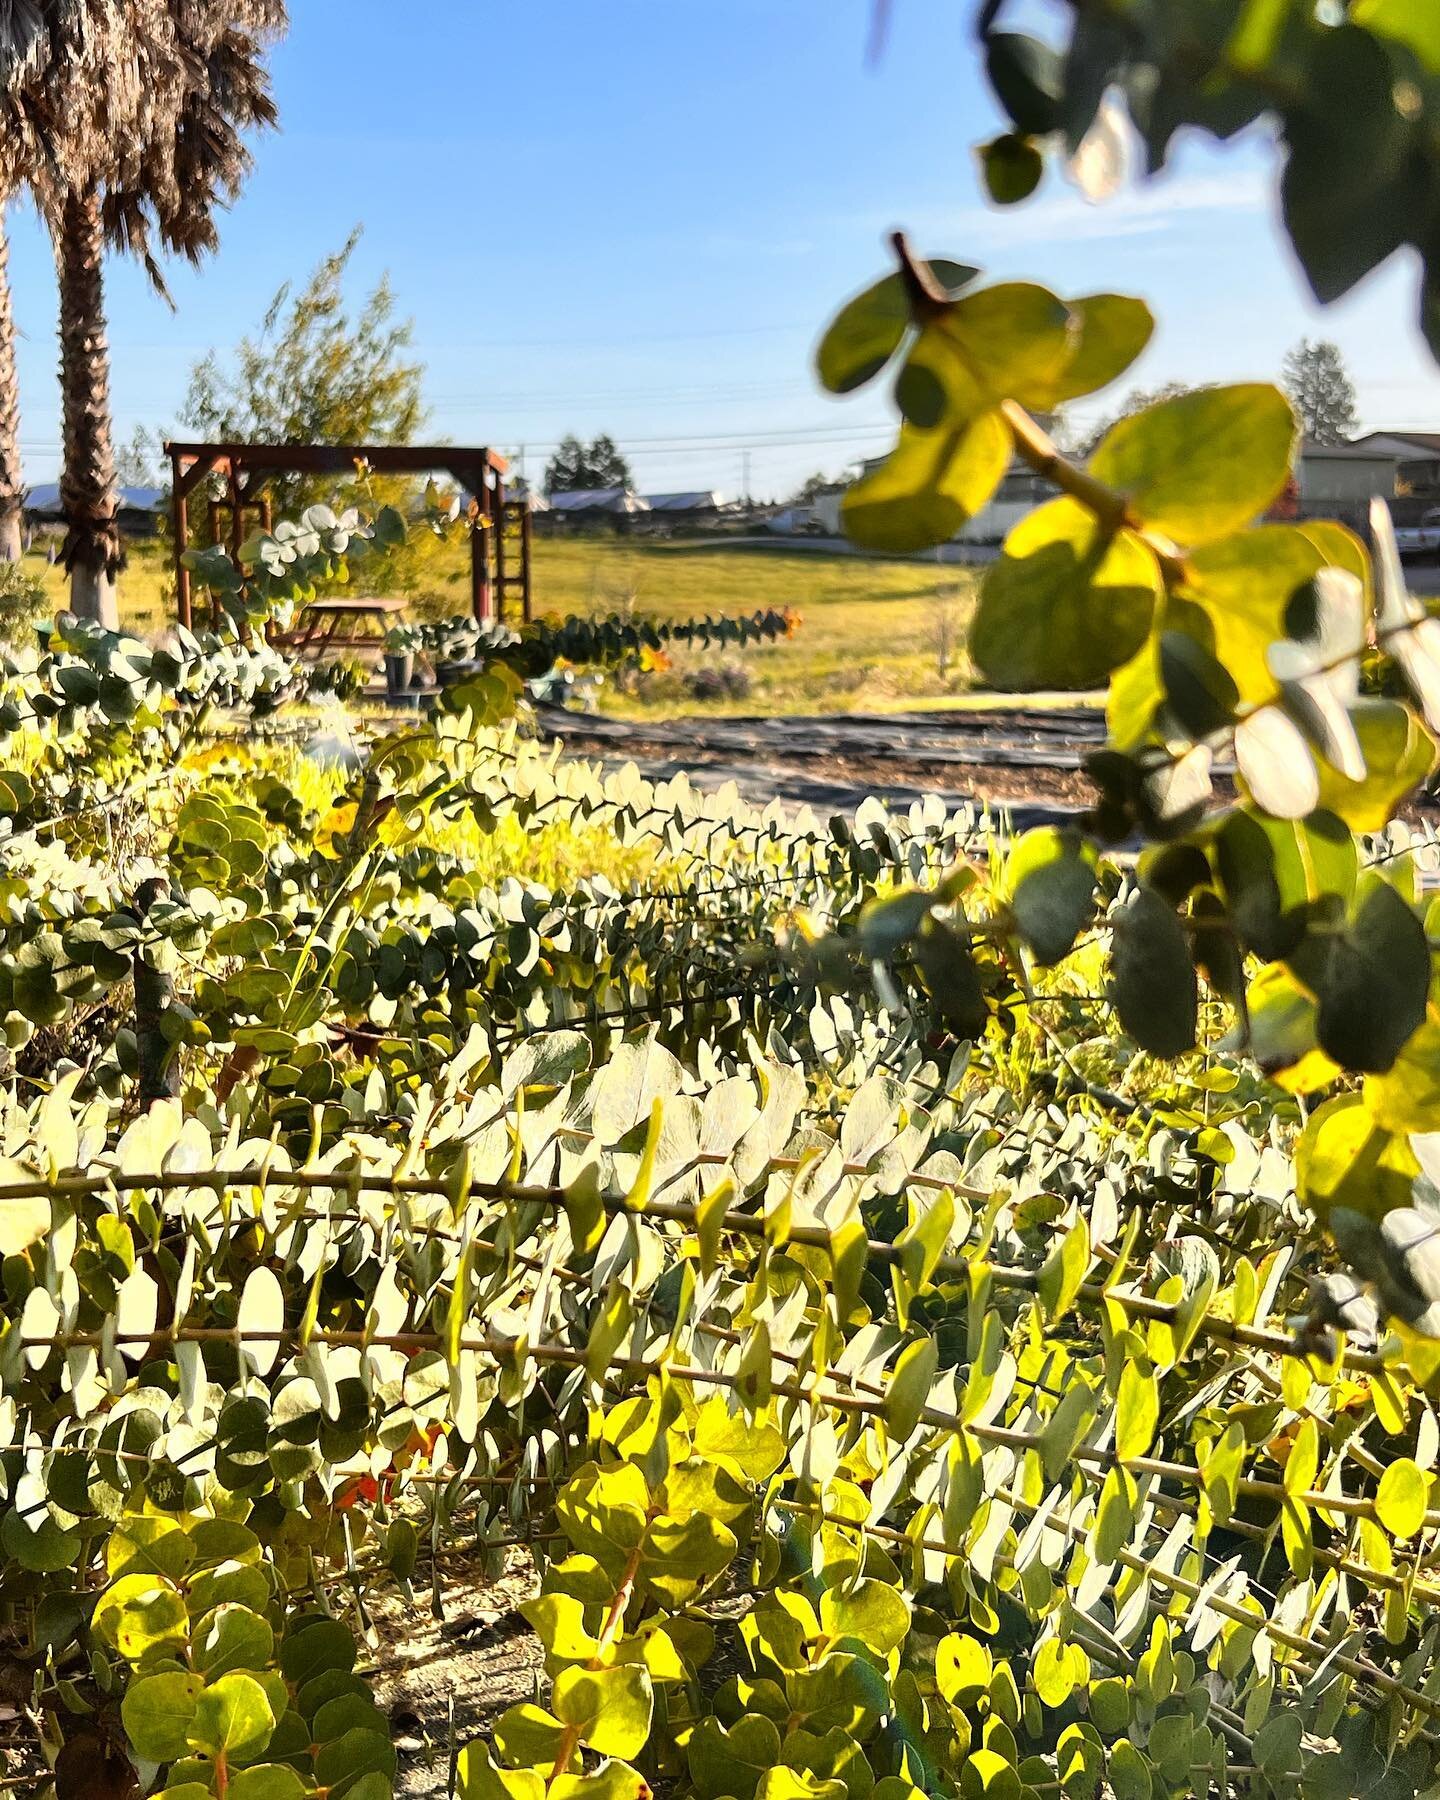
pixel 499 528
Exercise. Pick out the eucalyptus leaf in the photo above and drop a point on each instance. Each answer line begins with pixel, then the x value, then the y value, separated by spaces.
pixel 1204 464
pixel 1065 605
pixel 1155 988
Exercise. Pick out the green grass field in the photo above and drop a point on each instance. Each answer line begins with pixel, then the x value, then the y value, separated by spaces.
pixel 870 637
pixel 869 631
pixel 146 587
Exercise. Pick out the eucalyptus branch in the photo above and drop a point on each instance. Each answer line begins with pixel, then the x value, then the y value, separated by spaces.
pixel 743 1224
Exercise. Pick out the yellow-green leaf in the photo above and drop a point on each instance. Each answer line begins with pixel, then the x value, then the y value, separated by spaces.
pixel 1111 331
pixel 1401 1498
pixel 1063 606
pixel 1243 583
pixel 1064 1271
pixel 909 1386
pixel 1344 1158
pixel 1203 464
pixel 1137 1411
pixel 931 484
pixel 1399 753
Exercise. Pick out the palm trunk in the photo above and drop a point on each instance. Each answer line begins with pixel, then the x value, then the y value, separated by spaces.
pixel 12 481
pixel 92 551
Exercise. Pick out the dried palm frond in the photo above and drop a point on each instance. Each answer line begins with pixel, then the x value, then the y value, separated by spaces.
pixel 144 102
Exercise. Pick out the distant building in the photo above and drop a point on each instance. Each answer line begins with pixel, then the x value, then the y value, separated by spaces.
pixel 811 519
pixel 1414 454
pixel 579 508
pixel 587 510
pixel 1019 493
pixel 821 513
pixel 1340 478
pixel 701 504
pixel 520 489
pixel 696 509
pixel 138 516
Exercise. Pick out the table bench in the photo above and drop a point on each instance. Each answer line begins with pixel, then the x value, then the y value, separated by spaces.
pixel 341 624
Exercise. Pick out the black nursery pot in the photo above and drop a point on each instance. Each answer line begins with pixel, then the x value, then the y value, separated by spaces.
pixel 399 672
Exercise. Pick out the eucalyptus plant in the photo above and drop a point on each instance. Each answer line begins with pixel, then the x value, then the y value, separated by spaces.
pixel 1349 91
pixel 1225 642
pixel 901 1385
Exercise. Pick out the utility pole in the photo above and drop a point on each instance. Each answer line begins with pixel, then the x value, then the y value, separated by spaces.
pixel 745 477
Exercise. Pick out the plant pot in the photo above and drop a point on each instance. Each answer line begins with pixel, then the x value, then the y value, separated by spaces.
pixel 399 672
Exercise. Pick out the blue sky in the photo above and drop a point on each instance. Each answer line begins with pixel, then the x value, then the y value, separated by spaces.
pixel 633 217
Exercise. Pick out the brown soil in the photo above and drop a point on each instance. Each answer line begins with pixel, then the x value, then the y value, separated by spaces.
pixel 446 1681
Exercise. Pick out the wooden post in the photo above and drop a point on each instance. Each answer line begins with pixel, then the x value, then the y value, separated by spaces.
pixel 479 576
pixel 482 595
pixel 497 516
pixel 527 547
pixel 180 530
pixel 237 513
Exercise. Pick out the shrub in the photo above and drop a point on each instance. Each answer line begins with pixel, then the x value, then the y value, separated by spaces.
pixel 718 681
pixel 344 678
pixel 24 605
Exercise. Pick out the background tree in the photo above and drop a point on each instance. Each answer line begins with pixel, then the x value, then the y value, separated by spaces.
pixel 563 472
pixel 137 463
pixel 316 372
pixel 28 34
pixel 818 483
pixel 26 31
pixel 1321 391
pixel 607 466
pixel 577 466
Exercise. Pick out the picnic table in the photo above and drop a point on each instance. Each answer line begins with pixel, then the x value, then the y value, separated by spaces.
pixel 342 624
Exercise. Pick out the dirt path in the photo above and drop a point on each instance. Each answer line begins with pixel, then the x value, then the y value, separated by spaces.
pixel 1028 762
pixel 1025 762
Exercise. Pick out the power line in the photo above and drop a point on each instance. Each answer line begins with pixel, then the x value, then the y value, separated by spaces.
pixel 770 437
pixel 679 392
pixel 606 343
pixel 566 405
pixel 635 447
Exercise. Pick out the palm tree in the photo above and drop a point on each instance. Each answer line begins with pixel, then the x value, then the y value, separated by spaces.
pixel 93 550
pixel 12 479
pixel 37 37
pixel 169 179
pixel 127 124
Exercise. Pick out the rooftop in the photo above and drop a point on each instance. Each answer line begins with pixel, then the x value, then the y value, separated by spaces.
pixel 1422 440
pixel 706 500
pixel 612 499
pixel 46 499
pixel 1357 452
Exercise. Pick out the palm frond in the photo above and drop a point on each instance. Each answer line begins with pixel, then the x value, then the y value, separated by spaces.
pixel 144 102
